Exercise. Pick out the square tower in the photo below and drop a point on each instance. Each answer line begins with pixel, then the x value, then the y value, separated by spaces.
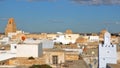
pixel 11 26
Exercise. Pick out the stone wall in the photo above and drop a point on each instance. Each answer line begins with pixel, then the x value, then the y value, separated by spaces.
pixel 26 61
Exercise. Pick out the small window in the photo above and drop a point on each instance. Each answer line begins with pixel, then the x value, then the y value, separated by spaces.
pixel 55 59
pixel 108 52
pixel 15 47
pixel 69 36
pixel 10 22
pixel 103 58
pixel 112 46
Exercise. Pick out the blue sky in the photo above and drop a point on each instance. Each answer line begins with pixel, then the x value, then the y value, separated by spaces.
pixel 59 15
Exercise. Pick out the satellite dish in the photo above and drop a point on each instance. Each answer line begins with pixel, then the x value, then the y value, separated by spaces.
pixel 23 38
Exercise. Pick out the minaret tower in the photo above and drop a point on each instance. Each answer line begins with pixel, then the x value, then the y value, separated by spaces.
pixel 107 52
pixel 11 26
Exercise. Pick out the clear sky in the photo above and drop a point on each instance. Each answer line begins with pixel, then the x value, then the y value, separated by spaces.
pixel 59 15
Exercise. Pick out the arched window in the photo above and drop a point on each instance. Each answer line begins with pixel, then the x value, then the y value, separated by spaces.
pixel 10 22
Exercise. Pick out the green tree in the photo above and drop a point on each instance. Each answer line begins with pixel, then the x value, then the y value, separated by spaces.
pixel 31 58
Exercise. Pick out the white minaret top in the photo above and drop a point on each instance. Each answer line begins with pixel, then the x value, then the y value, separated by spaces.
pixel 107 52
pixel 107 38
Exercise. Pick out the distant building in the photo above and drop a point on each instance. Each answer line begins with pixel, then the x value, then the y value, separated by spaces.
pixel 66 38
pixel 107 52
pixel 51 36
pixel 44 42
pixel 68 31
pixel 47 44
pixel 5 40
pixel 15 35
pixel 11 26
pixel 82 40
pixel 93 38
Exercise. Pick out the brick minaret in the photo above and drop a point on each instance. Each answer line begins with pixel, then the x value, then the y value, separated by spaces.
pixel 11 26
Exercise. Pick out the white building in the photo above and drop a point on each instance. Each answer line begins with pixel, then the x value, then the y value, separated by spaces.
pixel 11 34
pixel 47 43
pixel 31 47
pixel 93 38
pixel 31 41
pixel 66 38
pixel 71 38
pixel 27 50
pixel 60 39
pixel 5 40
pixel 44 42
pixel 107 52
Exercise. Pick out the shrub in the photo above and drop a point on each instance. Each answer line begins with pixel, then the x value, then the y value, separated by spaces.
pixel 31 58
pixel 41 66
